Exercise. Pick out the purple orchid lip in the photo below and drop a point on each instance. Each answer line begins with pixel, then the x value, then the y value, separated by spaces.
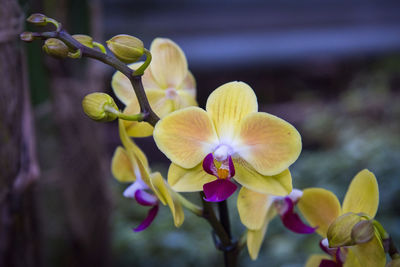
pixel 145 199
pixel 329 263
pixel 218 190
pixel 149 219
pixel 209 166
pixel 290 219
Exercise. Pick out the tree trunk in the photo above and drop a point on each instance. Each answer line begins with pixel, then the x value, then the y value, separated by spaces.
pixel 19 236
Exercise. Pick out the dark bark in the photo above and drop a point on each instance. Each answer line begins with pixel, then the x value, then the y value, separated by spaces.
pixel 19 236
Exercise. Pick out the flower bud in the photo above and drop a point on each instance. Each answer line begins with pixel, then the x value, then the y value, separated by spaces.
pixel 86 40
pixel 95 106
pixel 339 232
pixel 56 48
pixel 37 19
pixel 27 37
pixel 126 48
pixel 362 232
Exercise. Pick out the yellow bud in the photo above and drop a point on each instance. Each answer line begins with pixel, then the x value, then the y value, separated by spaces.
pixel 37 19
pixel 362 232
pixel 126 48
pixel 86 40
pixel 98 105
pixel 56 48
pixel 339 232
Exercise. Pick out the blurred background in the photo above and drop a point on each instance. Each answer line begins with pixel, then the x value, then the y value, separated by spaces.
pixel 330 68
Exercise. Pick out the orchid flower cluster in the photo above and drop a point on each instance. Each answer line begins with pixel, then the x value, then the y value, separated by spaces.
pixel 229 146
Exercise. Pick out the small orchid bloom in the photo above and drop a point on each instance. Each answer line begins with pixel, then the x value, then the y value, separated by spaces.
pixel 256 210
pixel 229 140
pixel 129 164
pixel 322 209
pixel 168 83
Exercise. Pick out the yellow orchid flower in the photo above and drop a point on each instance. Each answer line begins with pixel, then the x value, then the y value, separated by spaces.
pixel 229 139
pixel 129 165
pixel 322 209
pixel 168 83
pixel 256 210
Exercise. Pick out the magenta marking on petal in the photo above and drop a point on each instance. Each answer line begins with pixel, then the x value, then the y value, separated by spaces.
pixel 209 166
pixel 231 167
pixel 149 219
pixel 145 199
pixel 218 190
pixel 291 219
pixel 329 263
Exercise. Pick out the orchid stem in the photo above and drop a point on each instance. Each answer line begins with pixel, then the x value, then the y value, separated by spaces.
pixel 230 256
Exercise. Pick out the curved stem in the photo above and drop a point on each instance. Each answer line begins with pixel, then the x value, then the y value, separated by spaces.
pixel 144 66
pixel 136 80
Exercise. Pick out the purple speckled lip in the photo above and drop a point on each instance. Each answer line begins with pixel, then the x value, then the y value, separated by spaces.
pixel 149 219
pixel 290 219
pixel 220 189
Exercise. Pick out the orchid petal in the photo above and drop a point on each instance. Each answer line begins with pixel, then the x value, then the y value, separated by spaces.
pixel 370 253
pixel 149 219
pixel 253 207
pixel 169 66
pixel 218 190
pixel 183 99
pixel 228 105
pixel 122 87
pixel 188 180
pixel 316 259
pixel 145 199
pixel 329 263
pixel 362 195
pixel 159 102
pixel 280 184
pixel 320 208
pixel 185 136
pixel 167 196
pixel 121 166
pixel 188 85
pixel 268 143
pixel 291 220
pixel 131 190
pixel 255 237
pixel 136 128
pixel 209 165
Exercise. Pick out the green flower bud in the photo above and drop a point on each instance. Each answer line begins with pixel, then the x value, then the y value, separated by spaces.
pixel 37 19
pixel 99 106
pixel 362 232
pixel 126 48
pixel 84 39
pixel 339 232
pixel 56 48
pixel 27 37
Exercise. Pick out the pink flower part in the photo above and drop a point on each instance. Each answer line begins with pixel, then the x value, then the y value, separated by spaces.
pixel 149 219
pixel 290 219
pixel 210 168
pixel 329 263
pixel 145 199
pixel 218 190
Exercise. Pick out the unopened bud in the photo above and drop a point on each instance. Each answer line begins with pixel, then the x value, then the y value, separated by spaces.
pixel 339 232
pixel 27 37
pixel 126 48
pixel 98 107
pixel 37 19
pixel 84 39
pixel 56 48
pixel 363 232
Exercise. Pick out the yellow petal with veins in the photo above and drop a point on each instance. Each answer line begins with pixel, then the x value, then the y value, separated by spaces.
pixel 280 184
pixel 228 105
pixel 168 66
pixel 188 85
pixel 255 238
pixel 253 207
pixel 121 166
pixel 188 180
pixel 362 195
pixel 320 207
pixel 167 196
pixel 268 143
pixel 186 136
pixel 160 104
pixel 315 260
